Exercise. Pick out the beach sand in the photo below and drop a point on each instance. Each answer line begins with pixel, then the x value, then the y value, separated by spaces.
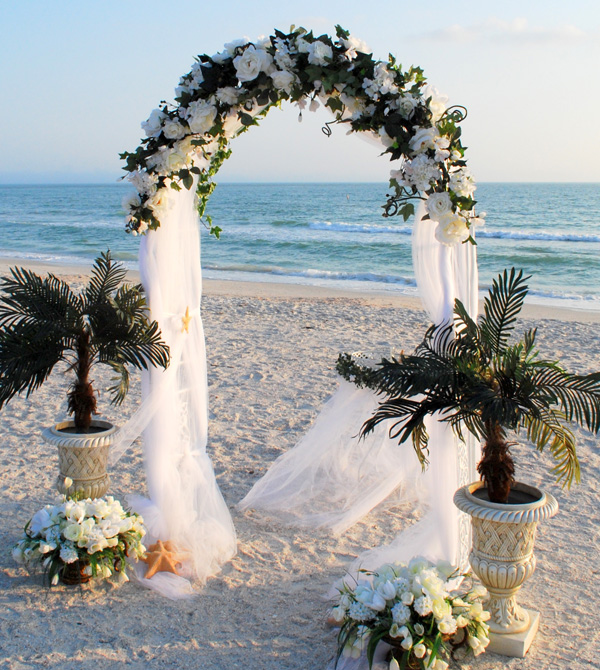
pixel 271 356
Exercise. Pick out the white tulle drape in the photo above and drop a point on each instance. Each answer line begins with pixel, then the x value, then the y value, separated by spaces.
pixel 332 479
pixel 185 505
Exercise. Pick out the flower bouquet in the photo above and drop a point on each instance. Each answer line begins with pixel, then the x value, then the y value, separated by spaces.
pixel 425 612
pixel 76 540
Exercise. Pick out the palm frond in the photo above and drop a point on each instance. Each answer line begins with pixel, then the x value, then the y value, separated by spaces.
pixel 120 387
pixel 105 278
pixel 548 430
pixel 501 308
pixel 30 299
pixel 577 395
pixel 27 357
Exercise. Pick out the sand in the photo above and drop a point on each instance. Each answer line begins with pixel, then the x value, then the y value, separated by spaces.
pixel 271 356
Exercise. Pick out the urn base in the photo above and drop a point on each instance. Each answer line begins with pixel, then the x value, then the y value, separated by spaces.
pixel 515 644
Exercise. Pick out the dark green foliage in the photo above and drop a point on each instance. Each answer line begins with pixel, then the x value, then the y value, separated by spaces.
pixel 42 322
pixel 483 383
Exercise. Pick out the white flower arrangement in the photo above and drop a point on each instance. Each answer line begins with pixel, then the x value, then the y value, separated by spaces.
pixel 425 612
pixel 98 535
pixel 224 94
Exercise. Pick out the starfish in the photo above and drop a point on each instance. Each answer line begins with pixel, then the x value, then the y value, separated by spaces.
pixel 161 557
pixel 186 321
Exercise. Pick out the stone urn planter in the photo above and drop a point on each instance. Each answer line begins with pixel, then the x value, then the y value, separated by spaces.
pixel 502 557
pixel 82 456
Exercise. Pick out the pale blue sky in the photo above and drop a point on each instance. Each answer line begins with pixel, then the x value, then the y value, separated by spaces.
pixel 77 78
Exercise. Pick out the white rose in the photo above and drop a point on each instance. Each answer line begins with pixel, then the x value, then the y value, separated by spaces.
pixel 228 95
pixel 302 45
pixel 158 203
pixel 231 47
pixel 406 106
pixel 200 116
pixel 452 229
pixel 438 204
pixel 73 532
pixel 154 123
pixel 420 650
pixel 319 53
pixel 437 104
pixel 423 139
pixel 251 63
pixel 173 130
pixel 283 80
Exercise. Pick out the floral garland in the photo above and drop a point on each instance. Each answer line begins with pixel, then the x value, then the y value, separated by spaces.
pixel 223 95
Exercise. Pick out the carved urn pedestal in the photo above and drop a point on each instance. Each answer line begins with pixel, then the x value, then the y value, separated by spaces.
pixel 82 457
pixel 502 557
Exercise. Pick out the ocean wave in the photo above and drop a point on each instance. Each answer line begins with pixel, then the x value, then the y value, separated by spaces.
pixel 532 235
pixel 315 274
pixel 370 228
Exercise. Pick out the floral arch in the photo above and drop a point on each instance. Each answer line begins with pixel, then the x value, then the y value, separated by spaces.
pixel 172 172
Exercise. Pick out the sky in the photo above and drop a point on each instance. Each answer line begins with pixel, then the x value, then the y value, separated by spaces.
pixel 78 78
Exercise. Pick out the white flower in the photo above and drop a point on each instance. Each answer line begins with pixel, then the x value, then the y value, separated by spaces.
pixel 398 631
pixel 421 172
pixel 452 229
pixel 173 130
pixel 438 664
pixel 441 149
pixel 407 105
pixel 153 125
pixel 345 601
pixel 419 629
pixel 387 590
pixel 144 183
pixel 251 63
pixel 407 598
pixel 73 532
pixel 461 182
pixel 447 625
pixel 17 554
pixel 40 521
pixel 360 612
pixel 200 116
pixel 400 613
pixel 384 138
pixel 441 608
pixel 354 45
pixel 283 80
pixel 437 104
pixel 319 53
pixel 420 650
pixel 462 621
pixel 231 47
pixel 407 642
pixel 68 554
pixel 479 590
pixel 55 580
pixel 228 95
pixel 302 45
pixel 423 605
pixel 367 596
pixel 338 614
pixel 393 665
pixel 68 482
pixel 423 139
pixel 438 204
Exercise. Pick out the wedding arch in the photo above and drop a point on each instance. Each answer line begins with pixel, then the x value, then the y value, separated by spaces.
pixel 172 172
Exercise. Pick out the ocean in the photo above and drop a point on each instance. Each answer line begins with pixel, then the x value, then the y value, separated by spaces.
pixel 326 234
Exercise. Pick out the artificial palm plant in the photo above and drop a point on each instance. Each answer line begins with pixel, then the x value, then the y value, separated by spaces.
pixel 43 322
pixel 477 379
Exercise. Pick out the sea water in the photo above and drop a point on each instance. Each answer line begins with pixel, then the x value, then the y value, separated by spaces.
pixel 326 234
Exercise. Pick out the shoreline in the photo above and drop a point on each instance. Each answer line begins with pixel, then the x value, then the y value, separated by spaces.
pixel 289 290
